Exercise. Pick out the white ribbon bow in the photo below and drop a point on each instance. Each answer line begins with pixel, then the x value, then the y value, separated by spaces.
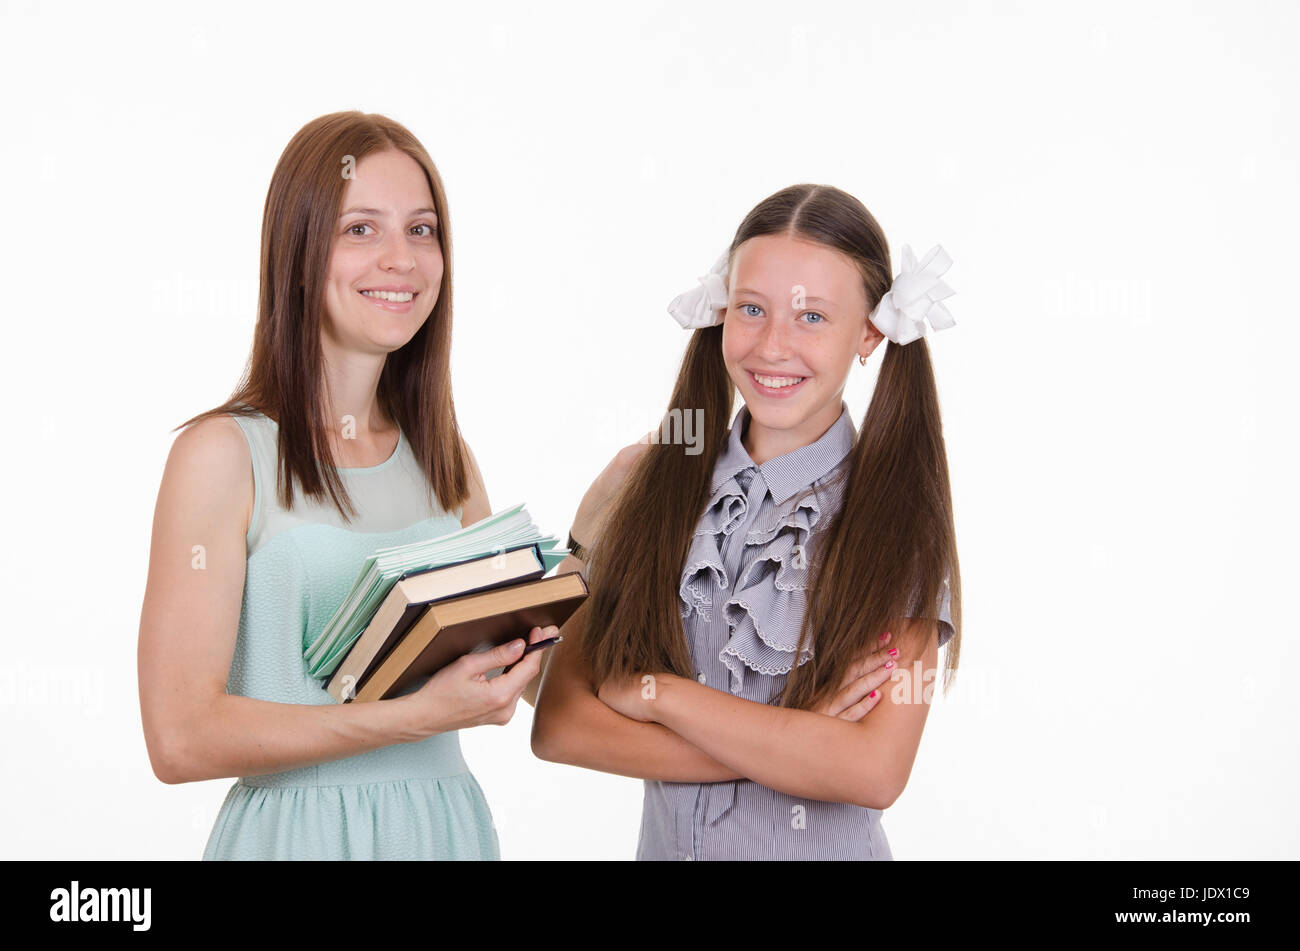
pixel 914 298
pixel 703 306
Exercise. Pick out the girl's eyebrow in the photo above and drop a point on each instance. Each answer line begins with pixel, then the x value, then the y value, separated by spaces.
pixel 807 297
pixel 377 211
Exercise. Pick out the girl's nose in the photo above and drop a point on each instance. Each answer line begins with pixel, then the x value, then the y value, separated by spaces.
pixel 775 344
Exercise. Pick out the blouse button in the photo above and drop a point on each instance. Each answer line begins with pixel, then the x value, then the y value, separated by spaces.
pixel 700 677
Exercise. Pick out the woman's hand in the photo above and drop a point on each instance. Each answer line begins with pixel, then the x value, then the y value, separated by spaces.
pixel 594 508
pixel 460 695
pixel 854 699
pixel 633 696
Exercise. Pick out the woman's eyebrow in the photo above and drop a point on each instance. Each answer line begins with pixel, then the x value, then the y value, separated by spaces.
pixel 377 211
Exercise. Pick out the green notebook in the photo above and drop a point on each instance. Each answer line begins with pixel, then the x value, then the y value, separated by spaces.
pixel 506 529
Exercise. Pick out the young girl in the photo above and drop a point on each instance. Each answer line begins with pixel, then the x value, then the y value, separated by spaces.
pixel 348 394
pixel 730 653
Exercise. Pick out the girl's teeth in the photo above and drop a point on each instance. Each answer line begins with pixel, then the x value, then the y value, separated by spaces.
pixel 397 297
pixel 776 382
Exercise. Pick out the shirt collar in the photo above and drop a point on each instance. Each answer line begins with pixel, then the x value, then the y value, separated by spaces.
pixel 786 475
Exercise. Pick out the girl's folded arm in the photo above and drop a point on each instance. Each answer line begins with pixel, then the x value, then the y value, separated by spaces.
pixel 802 753
pixel 572 725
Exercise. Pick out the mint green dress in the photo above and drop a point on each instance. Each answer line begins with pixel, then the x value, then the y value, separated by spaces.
pixel 405 801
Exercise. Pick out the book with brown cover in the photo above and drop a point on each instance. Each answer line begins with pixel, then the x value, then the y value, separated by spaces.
pixel 413 592
pixel 457 626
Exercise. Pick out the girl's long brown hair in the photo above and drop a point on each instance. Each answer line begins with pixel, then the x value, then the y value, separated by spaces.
pixel 284 376
pixel 884 555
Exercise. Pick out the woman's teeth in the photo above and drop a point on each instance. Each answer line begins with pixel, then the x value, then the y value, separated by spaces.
pixel 397 297
pixel 776 382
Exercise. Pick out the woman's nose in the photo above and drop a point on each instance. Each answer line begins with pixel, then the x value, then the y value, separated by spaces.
pixel 394 254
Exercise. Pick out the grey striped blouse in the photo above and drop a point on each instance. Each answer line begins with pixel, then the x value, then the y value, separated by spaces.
pixel 743 596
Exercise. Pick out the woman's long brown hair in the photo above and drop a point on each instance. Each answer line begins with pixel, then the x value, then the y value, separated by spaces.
pixel 887 552
pixel 284 376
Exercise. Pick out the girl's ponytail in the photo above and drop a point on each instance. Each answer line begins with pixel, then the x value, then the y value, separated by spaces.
pixel 634 622
pixel 892 546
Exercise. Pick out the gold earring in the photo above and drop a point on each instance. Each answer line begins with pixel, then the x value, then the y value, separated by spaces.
pixel 862 358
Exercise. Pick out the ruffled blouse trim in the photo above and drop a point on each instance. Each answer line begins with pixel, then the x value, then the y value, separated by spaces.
pixel 766 613
pixel 725 513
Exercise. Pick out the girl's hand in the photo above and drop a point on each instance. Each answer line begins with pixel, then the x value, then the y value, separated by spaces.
pixel 460 695
pixel 853 700
pixel 590 517
pixel 631 696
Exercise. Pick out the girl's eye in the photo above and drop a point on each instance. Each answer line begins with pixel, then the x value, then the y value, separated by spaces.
pixel 812 313
pixel 744 307
pixel 357 225
pixel 428 233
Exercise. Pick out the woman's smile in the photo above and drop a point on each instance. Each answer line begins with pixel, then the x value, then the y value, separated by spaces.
pixel 395 300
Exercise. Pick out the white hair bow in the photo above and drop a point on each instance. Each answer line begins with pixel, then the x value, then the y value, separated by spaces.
pixel 705 305
pixel 915 297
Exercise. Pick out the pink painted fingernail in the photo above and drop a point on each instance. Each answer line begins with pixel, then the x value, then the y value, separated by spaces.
pixel 872 695
pixel 893 652
pixel 884 637
pixel 888 664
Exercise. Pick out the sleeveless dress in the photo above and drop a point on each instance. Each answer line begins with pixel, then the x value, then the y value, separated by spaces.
pixel 406 801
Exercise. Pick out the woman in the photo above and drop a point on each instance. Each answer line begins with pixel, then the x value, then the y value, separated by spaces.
pixel 347 394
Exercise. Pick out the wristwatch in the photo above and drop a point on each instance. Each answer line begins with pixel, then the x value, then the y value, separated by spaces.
pixel 576 550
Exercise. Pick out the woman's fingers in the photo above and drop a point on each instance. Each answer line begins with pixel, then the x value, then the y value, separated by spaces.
pixel 517 676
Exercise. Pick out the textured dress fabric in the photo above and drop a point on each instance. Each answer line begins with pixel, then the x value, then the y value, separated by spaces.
pixel 743 594
pixel 406 801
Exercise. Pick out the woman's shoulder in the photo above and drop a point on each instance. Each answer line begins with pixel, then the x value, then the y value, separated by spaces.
pixel 214 441
pixel 210 466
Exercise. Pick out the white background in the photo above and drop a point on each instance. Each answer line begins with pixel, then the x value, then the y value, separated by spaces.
pixel 1116 184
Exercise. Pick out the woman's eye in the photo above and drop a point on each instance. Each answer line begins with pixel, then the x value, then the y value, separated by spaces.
pixel 745 309
pixel 429 232
pixel 812 313
pixel 352 229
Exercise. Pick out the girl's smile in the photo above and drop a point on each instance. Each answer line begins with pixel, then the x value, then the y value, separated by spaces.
pixel 775 386
pixel 796 319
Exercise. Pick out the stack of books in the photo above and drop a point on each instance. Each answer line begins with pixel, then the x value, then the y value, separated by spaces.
pixel 415 608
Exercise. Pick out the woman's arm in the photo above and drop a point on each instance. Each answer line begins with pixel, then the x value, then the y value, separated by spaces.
pixel 189 624
pixel 799 752
pixel 572 725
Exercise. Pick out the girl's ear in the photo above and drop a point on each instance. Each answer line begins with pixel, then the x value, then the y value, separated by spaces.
pixel 871 338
